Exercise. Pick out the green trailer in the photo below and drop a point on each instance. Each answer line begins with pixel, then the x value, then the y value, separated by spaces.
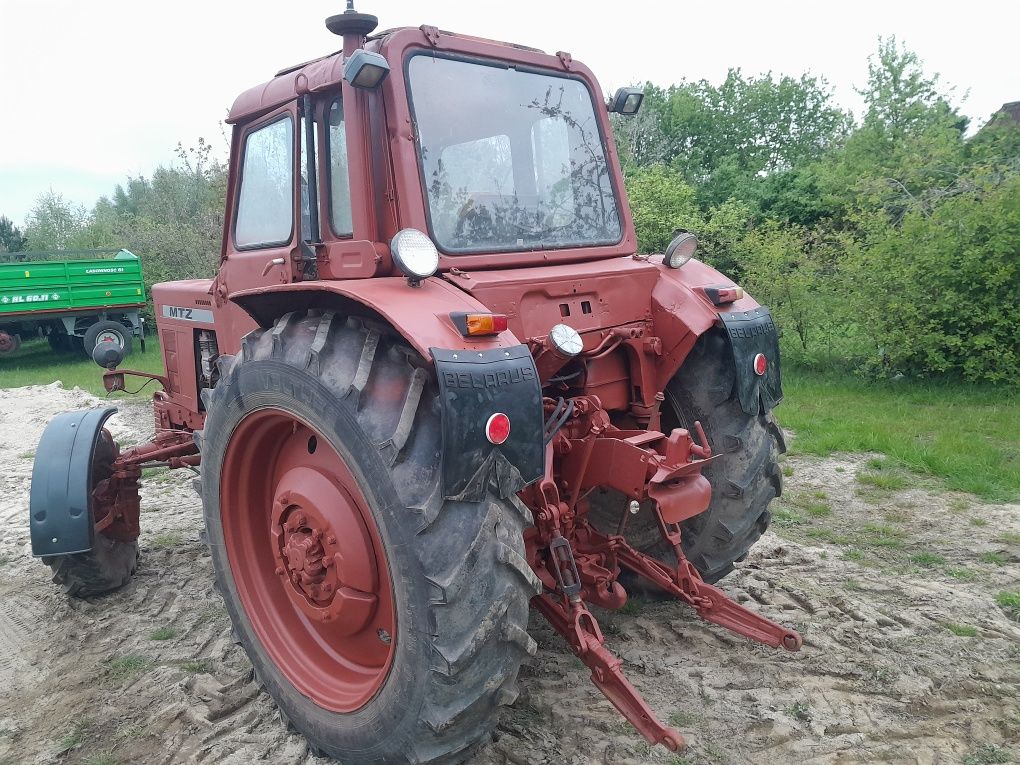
pixel 75 299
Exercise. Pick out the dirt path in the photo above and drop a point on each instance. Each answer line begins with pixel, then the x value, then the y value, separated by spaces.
pixel 870 573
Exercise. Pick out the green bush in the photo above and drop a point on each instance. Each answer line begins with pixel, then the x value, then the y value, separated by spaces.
pixel 939 291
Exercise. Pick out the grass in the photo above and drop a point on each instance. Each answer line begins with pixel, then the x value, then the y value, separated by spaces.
pixel 36 364
pixel 683 719
pixel 987 754
pixel 963 434
pixel 76 736
pixel 163 633
pixel 166 540
pixel 101 758
pixel 928 559
pixel 881 535
pixel 1010 603
pixel 197 667
pixel 884 480
pixel 996 559
pixel 124 667
pixel 799 710
pixel 632 607
pixel 962 630
pixel 784 516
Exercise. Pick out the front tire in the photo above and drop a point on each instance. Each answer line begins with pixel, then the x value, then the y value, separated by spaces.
pixel 110 563
pixel 338 421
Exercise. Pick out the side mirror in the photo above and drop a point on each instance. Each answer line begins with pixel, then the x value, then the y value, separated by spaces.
pixel 626 101
pixel 108 354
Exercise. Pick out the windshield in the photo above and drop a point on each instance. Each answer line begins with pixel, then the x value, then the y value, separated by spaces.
pixel 512 160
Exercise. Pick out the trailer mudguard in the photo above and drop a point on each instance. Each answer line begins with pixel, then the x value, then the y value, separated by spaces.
pixel 474 386
pixel 60 501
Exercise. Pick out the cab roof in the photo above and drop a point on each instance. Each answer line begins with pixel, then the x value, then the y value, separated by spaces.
pixel 324 73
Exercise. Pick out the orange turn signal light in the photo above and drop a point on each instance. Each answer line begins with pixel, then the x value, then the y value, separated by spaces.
pixel 720 295
pixel 479 324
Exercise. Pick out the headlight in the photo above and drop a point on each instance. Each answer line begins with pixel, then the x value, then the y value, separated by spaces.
pixel 680 250
pixel 415 254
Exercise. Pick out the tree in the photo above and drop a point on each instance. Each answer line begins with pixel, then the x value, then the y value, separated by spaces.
pixel 55 223
pixel 725 140
pixel 11 239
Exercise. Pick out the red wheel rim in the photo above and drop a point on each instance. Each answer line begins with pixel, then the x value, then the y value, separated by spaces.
pixel 307 560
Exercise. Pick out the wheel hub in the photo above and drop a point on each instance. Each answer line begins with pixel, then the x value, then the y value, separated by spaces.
pixel 323 551
pixel 6 342
pixel 308 560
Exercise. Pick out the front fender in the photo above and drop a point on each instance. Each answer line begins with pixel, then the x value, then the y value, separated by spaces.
pixel 421 314
pixel 60 500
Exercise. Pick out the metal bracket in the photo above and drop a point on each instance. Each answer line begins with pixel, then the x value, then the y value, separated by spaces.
pixel 431 34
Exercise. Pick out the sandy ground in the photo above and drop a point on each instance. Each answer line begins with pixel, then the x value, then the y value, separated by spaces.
pixel 872 578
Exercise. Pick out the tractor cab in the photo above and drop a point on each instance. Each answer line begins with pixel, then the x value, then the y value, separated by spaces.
pixel 500 154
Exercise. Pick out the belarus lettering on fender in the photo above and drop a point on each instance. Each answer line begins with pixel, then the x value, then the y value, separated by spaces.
pixel 498 379
pixel 182 313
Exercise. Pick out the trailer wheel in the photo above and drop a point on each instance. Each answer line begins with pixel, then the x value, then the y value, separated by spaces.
pixel 387 623
pixel 745 478
pixel 9 343
pixel 111 562
pixel 107 331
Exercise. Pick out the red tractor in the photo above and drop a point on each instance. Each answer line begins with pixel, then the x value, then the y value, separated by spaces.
pixel 434 385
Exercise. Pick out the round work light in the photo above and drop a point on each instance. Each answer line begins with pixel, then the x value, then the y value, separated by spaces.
pixel 681 249
pixel 566 340
pixel 415 254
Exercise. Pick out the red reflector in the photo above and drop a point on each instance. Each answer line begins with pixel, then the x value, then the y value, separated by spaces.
pixel 760 364
pixel 497 429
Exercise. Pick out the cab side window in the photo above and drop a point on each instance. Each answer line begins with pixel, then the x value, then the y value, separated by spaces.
pixel 339 177
pixel 265 206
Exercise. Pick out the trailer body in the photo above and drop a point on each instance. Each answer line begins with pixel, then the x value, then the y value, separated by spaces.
pixel 64 295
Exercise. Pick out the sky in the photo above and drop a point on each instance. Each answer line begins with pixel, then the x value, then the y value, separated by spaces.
pixel 96 91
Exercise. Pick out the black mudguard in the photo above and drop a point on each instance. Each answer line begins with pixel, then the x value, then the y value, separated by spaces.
pixel 61 496
pixel 473 386
pixel 750 333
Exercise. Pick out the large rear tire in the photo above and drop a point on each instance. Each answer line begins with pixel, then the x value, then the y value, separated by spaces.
pixel 745 478
pixel 322 441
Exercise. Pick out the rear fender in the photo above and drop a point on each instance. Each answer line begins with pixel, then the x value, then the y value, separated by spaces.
pixel 421 314
pixel 477 377
pixel 682 311
pixel 60 501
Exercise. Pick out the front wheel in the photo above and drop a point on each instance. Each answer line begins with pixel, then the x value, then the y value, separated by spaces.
pixel 387 623
pixel 111 562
